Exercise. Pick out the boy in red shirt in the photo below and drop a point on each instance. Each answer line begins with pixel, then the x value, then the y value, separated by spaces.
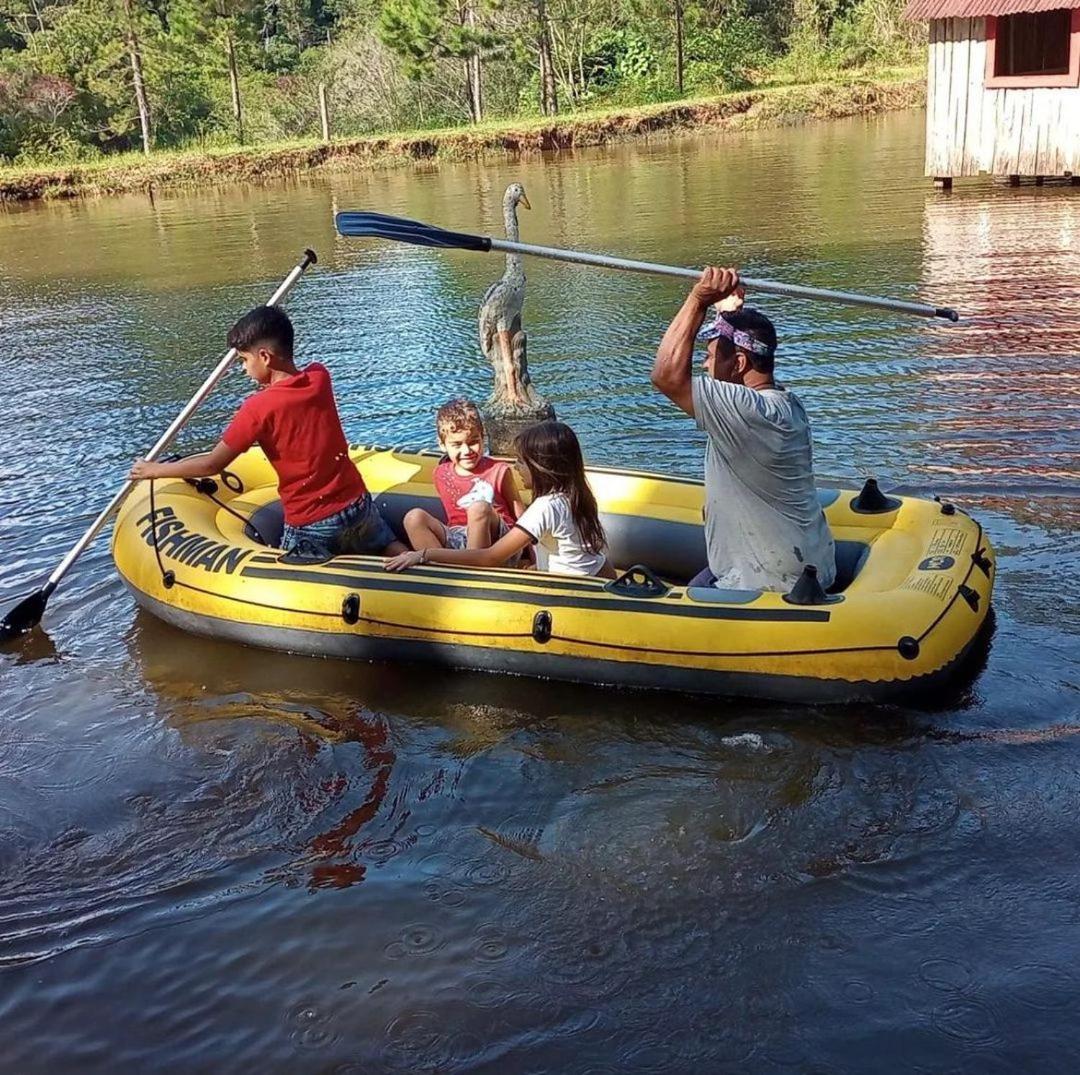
pixel 294 419
pixel 477 492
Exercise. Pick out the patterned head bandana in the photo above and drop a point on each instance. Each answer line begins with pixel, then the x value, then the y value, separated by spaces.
pixel 722 327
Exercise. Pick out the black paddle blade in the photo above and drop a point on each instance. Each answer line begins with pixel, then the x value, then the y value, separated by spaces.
pixel 25 616
pixel 381 226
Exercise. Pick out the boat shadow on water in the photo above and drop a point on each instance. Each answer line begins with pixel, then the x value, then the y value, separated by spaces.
pixel 322 695
pixel 369 749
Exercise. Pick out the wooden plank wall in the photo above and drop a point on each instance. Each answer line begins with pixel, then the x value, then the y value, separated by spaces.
pixel 971 129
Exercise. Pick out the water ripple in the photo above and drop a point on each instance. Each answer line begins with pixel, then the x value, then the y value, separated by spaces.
pixel 208 850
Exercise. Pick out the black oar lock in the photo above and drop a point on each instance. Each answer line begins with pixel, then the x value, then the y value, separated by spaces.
pixel 809 591
pixel 872 501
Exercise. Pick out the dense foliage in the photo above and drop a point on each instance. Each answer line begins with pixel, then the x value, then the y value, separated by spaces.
pixel 81 78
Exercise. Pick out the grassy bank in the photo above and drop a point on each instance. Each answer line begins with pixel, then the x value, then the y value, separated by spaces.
pixel 771 106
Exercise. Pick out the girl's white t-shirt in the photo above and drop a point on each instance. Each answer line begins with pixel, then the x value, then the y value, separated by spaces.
pixel 559 548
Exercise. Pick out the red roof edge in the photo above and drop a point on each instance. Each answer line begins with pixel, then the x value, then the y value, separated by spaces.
pixel 967 9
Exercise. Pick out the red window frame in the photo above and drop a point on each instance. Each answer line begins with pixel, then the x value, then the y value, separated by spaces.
pixel 1070 79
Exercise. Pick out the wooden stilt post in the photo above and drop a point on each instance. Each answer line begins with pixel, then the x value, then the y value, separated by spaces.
pixel 1039 180
pixel 943 182
pixel 1014 181
pixel 1076 180
pixel 324 112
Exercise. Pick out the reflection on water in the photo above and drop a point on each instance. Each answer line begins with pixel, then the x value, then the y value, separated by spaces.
pixel 1008 373
pixel 312 865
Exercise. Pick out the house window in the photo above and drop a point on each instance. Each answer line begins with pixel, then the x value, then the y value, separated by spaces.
pixel 1033 44
pixel 1036 49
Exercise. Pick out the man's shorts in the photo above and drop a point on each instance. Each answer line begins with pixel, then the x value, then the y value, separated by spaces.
pixel 704 577
pixel 457 537
pixel 359 528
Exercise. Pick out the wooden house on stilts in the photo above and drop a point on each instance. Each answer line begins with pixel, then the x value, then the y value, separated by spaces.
pixel 1003 88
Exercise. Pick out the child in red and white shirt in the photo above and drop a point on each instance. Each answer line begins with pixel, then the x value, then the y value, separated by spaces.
pixel 478 493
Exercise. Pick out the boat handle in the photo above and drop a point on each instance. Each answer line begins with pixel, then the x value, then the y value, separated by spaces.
pixel 638 581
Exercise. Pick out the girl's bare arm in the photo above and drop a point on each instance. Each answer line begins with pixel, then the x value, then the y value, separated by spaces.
pixel 493 556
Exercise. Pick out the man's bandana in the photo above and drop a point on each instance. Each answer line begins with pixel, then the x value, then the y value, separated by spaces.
pixel 722 327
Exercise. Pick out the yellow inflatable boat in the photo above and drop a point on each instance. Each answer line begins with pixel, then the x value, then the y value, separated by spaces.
pixel 914 581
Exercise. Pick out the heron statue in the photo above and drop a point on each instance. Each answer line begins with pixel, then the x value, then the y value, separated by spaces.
pixel 514 400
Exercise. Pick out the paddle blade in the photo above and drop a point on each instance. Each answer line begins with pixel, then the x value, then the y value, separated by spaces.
pixel 381 226
pixel 25 616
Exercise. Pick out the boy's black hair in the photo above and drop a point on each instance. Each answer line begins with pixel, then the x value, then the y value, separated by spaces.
pixel 756 324
pixel 265 324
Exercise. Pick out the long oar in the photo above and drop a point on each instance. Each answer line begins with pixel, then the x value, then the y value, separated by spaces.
pixel 28 612
pixel 381 226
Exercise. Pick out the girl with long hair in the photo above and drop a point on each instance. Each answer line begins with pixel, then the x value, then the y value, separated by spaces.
pixel 562 522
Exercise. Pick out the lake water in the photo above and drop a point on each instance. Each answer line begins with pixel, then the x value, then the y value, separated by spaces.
pixel 214 858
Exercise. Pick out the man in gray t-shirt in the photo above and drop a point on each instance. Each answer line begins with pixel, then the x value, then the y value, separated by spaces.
pixel 763 522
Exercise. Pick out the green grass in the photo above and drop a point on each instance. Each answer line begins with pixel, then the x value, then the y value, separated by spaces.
pixel 218 163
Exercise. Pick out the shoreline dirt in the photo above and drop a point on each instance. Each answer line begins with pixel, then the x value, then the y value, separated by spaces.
pixel 788 105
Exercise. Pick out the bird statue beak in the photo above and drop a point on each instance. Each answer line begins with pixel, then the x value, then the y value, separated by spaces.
pixel 524 201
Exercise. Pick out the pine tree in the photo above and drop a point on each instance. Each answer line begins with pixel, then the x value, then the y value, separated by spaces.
pixel 135 52
pixel 423 31
pixel 221 26
pixel 549 99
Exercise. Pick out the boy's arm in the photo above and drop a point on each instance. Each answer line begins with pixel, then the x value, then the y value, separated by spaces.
pixel 204 465
pixel 511 495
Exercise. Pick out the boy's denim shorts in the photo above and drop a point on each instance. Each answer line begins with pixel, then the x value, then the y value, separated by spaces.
pixel 359 528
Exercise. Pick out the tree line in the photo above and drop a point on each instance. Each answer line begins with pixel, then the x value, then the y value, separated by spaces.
pixel 80 79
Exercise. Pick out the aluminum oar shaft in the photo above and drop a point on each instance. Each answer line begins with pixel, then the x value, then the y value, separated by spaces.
pixel 773 287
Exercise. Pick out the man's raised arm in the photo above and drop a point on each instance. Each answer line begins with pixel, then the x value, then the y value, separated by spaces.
pixel 672 371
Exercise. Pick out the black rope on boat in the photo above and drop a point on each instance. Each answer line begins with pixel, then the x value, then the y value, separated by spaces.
pixel 373 621
pixel 208 487
pixel 153 529
pixel 961 587
pixel 256 604
pixel 168 578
